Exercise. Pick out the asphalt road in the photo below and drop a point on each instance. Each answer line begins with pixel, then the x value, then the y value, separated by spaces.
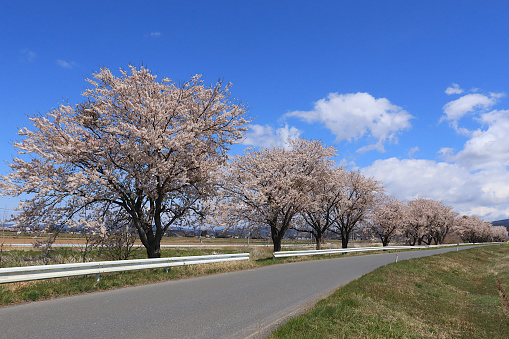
pixel 244 304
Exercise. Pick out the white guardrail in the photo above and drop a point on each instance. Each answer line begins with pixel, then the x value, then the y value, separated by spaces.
pixel 27 273
pixel 283 254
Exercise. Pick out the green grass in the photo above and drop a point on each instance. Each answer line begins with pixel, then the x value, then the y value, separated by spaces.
pixel 453 295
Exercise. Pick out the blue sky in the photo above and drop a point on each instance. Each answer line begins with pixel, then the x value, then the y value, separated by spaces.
pixel 411 93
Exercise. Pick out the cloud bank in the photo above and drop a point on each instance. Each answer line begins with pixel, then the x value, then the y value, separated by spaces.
pixel 353 116
pixel 484 193
pixel 475 179
pixel 266 136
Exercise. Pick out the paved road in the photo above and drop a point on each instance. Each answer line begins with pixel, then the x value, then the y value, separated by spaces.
pixel 230 305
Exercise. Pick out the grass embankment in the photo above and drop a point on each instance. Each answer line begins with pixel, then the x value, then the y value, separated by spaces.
pixel 454 295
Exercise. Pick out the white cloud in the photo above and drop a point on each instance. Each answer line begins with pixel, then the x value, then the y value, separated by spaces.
pixel 474 179
pixel 446 152
pixel 484 192
pixel 266 136
pixel 353 116
pixel 410 178
pixel 65 64
pixel 155 34
pixel 412 151
pixel 454 89
pixel 27 55
pixel 486 148
pixel 456 109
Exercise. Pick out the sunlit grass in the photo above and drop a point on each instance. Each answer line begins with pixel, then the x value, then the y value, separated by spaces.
pixel 452 295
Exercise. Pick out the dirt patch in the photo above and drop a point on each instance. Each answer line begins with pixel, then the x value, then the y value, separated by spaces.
pixel 505 302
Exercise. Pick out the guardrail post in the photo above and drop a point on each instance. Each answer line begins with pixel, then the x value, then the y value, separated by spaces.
pixel 166 269
pixel 97 277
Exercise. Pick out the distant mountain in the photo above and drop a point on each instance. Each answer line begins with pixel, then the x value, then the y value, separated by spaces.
pixel 504 222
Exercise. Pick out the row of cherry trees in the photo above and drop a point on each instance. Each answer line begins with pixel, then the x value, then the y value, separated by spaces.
pixel 151 154
pixel 426 221
pixel 296 187
pixel 300 188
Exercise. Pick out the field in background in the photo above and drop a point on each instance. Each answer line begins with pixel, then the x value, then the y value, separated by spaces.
pixel 453 295
pixel 13 238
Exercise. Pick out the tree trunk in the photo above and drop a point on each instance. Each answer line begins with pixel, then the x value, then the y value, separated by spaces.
pixel 154 251
pixel 149 239
pixel 318 242
pixel 344 241
pixel 277 236
pixel 385 241
pixel 277 243
pixel 153 245
pixel 427 240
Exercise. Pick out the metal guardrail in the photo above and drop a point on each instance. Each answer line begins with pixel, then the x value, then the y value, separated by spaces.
pixel 17 274
pixel 283 254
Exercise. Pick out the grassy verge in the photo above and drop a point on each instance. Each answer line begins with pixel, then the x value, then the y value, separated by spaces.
pixel 454 295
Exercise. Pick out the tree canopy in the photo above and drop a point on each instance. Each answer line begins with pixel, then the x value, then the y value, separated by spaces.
pixel 138 145
pixel 269 187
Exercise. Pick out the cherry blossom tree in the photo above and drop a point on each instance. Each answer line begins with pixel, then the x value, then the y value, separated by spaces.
pixel 414 228
pixel 268 187
pixel 137 145
pixel 357 194
pixel 499 233
pixel 386 218
pixel 473 229
pixel 443 224
pixel 319 215
pixel 428 220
